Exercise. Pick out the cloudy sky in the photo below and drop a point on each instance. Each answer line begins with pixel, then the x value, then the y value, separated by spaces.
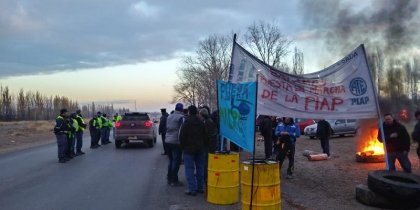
pixel 125 51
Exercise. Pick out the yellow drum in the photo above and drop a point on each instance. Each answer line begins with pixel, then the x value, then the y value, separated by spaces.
pixel 223 178
pixel 266 191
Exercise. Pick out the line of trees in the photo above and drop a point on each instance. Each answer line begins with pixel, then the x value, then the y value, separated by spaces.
pixel 396 77
pixel 36 106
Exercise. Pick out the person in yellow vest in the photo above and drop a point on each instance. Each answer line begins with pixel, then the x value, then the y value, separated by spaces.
pixel 107 125
pixel 79 132
pixel 117 117
pixel 60 131
pixel 104 129
pixel 73 127
pixel 99 127
pixel 95 125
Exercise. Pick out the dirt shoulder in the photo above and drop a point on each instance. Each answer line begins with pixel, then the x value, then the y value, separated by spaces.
pixel 328 184
pixel 25 134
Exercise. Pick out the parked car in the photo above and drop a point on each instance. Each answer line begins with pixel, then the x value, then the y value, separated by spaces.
pixel 339 127
pixel 303 123
pixel 135 127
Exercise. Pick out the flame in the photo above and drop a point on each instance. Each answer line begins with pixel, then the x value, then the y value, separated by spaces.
pixel 371 145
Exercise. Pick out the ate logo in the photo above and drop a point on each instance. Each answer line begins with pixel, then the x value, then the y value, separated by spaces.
pixel 358 86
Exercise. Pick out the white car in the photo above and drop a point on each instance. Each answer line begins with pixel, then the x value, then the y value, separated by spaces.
pixel 339 127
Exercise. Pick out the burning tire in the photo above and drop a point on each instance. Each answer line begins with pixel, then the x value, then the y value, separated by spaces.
pixel 370 158
pixel 366 196
pixel 393 184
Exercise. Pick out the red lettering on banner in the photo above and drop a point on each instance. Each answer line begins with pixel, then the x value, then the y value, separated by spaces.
pixel 324 103
pixel 320 105
pixel 272 95
pixel 294 99
pixel 336 101
pixel 299 88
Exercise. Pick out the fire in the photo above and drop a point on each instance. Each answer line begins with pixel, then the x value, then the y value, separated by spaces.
pixel 371 145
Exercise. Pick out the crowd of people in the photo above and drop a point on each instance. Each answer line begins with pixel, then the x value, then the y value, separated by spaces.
pixel 69 129
pixel 188 135
pixel 280 136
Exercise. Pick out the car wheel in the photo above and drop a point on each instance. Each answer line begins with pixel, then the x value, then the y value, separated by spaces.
pixel 151 143
pixel 312 137
pixel 154 140
pixel 395 184
pixel 118 144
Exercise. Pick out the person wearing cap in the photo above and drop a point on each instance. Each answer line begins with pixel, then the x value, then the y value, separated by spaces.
pixel 173 125
pixel 79 132
pixel 60 130
pixel 162 129
pixel 95 125
pixel 106 127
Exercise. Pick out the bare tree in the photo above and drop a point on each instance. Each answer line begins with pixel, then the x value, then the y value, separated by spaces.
pixel 198 74
pixel 297 62
pixel 266 41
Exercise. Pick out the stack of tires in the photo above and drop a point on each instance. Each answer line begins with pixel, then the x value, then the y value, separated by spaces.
pixel 391 190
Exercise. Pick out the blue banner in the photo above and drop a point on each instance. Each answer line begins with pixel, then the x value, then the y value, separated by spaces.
pixel 237 112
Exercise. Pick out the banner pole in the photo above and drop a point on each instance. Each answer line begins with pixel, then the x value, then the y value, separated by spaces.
pixel 253 151
pixel 381 127
pixel 218 112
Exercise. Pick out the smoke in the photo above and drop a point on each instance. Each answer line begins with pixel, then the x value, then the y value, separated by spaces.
pixel 390 25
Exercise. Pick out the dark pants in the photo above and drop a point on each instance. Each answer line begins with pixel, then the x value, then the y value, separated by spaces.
pixel 268 146
pixel 103 136
pixel 418 150
pixel 175 157
pixel 79 141
pixel 61 144
pixel 107 134
pixel 92 133
pixel 325 144
pixel 165 149
pixel 287 149
pixel 70 145
pixel 194 171
pixel 402 159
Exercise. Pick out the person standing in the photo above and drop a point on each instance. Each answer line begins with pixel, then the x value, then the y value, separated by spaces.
pixel 193 138
pixel 323 132
pixel 71 135
pixel 416 132
pixel 212 136
pixel 266 132
pixel 397 141
pixel 95 126
pixel 162 129
pixel 173 125
pixel 287 132
pixel 79 133
pixel 60 130
pixel 107 125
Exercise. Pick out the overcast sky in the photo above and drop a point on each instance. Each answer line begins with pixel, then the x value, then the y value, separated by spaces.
pixel 103 50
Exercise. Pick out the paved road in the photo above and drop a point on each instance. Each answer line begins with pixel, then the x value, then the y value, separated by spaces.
pixel 104 178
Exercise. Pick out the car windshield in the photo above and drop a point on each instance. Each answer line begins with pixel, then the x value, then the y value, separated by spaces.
pixel 136 116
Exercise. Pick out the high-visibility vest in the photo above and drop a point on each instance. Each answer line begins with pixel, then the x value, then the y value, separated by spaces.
pixel 118 118
pixel 99 121
pixel 80 127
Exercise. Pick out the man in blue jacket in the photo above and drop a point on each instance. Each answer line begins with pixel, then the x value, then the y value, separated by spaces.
pixel 287 133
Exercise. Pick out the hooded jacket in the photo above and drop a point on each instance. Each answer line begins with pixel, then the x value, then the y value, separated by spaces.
pixel 173 124
pixel 193 135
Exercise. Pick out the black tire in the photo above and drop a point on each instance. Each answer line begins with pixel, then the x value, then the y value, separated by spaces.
pixel 370 159
pixel 368 197
pixel 395 184
pixel 154 139
pixel 312 137
pixel 151 143
pixel 118 144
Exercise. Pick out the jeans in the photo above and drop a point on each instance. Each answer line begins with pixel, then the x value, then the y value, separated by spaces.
pixel 325 144
pixel 79 141
pixel 194 163
pixel 61 144
pixel 165 147
pixel 402 159
pixel 175 157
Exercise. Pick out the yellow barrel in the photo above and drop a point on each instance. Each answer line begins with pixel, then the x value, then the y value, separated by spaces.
pixel 223 178
pixel 266 191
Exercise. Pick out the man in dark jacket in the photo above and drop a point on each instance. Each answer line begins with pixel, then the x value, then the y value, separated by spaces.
pixel 193 138
pixel 397 142
pixel 416 133
pixel 267 131
pixel 162 129
pixel 61 129
pixel 323 132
